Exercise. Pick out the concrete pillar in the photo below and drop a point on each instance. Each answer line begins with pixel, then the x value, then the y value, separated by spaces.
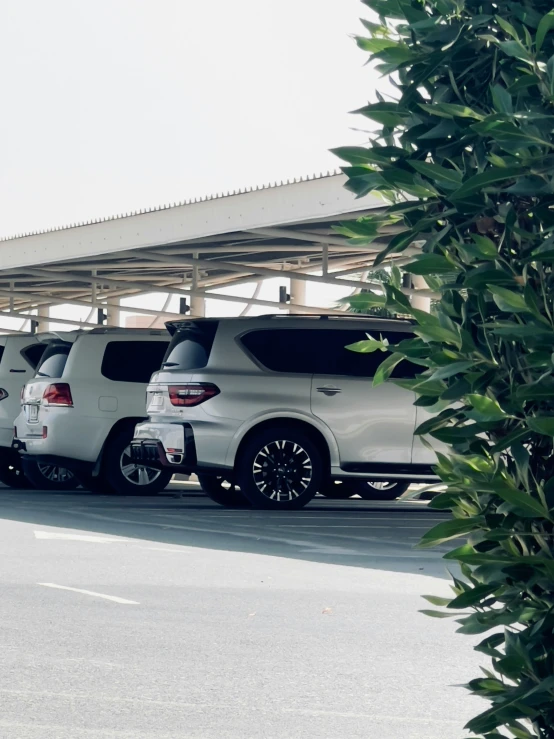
pixel 420 301
pixel 197 302
pixel 43 314
pixel 113 313
pixel 197 306
pixel 298 292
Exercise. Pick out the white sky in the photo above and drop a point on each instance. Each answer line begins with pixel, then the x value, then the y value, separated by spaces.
pixel 114 105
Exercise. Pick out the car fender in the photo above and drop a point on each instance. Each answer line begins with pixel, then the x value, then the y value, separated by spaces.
pixel 284 414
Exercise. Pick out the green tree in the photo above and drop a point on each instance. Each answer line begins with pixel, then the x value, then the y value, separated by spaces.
pixel 465 155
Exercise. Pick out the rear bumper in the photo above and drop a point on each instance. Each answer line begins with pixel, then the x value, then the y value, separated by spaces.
pixel 75 465
pixel 165 446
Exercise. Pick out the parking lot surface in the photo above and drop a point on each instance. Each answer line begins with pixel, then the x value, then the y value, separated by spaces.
pixel 170 617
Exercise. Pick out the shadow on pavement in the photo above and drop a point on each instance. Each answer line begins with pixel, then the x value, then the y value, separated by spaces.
pixel 355 533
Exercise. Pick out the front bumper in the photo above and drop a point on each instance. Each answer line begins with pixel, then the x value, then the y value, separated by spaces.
pixel 165 445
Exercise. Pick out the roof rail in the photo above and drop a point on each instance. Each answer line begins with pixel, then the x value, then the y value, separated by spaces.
pixel 123 330
pixel 329 316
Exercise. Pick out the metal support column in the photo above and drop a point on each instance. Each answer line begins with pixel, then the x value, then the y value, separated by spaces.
pixel 113 317
pixel 298 292
pixel 43 314
pixel 197 302
pixel 419 301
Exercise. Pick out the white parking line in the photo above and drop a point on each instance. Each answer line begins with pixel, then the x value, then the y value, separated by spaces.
pixel 76 537
pixel 113 598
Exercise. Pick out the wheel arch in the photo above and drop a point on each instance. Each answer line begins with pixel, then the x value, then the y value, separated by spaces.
pixel 314 433
pixel 119 425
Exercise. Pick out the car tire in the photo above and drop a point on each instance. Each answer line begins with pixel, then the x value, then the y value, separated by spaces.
pixel 338 490
pixel 280 468
pixel 123 476
pixel 49 476
pixel 11 472
pixel 377 490
pixel 228 497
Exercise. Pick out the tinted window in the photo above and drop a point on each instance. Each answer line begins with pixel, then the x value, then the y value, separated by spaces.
pixel 190 347
pixel 321 351
pixel 53 360
pixel 33 354
pixel 285 350
pixel 132 361
pixel 338 360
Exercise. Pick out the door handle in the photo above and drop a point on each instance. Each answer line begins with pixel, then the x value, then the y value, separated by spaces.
pixel 329 390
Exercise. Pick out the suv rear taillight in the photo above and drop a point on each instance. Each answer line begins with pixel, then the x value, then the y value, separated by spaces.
pixel 3 394
pixel 192 394
pixel 58 394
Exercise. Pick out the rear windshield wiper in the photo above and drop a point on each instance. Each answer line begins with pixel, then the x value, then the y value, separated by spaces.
pixel 170 364
pixel 42 374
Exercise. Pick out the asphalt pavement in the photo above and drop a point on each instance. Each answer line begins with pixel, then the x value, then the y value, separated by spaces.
pixel 169 617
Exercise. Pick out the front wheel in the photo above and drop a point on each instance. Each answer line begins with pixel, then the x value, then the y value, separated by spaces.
pixel 222 492
pixel 377 490
pixel 126 477
pixel 49 476
pixel 280 469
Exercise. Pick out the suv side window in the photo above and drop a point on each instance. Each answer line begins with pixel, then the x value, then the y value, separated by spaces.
pixel 32 354
pixel 52 363
pixel 190 348
pixel 336 359
pixel 287 350
pixel 132 361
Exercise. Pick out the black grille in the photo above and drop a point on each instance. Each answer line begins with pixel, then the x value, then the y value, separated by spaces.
pixel 144 452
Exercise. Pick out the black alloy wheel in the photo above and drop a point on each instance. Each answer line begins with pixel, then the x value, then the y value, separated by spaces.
pixel 280 468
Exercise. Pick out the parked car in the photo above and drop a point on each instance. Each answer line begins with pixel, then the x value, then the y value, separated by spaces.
pixel 19 357
pixel 268 411
pixel 80 409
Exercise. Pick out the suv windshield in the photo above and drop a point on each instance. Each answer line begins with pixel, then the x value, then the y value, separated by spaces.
pixel 190 347
pixel 53 360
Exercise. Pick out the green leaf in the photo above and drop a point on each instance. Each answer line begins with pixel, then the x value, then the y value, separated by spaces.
pixel 507 27
pixel 489 177
pixel 451 369
pixel 485 246
pixel 437 173
pixel 429 264
pixel 451 110
pixel 374 45
pixel 473 596
pixel 385 369
pixel 541 424
pixel 522 500
pixel 502 99
pixel 546 25
pixel 485 409
pixel 448 530
pixel 508 300
pixel 365 301
pixel 367 346
pixel 515 49
pixel 389 114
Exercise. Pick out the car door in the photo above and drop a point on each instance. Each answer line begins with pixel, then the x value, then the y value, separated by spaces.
pixel 372 425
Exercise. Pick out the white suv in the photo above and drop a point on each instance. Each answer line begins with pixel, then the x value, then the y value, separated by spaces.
pixel 280 408
pixel 19 356
pixel 81 408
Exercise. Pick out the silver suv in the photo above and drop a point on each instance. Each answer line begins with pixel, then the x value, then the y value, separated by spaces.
pixel 281 409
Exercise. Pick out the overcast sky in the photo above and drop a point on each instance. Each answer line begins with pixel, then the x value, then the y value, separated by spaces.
pixel 113 105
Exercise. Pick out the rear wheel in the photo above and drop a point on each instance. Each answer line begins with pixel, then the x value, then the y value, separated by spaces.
pixel 49 476
pixel 126 477
pixel 381 490
pixel 11 472
pixel 223 492
pixel 280 468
